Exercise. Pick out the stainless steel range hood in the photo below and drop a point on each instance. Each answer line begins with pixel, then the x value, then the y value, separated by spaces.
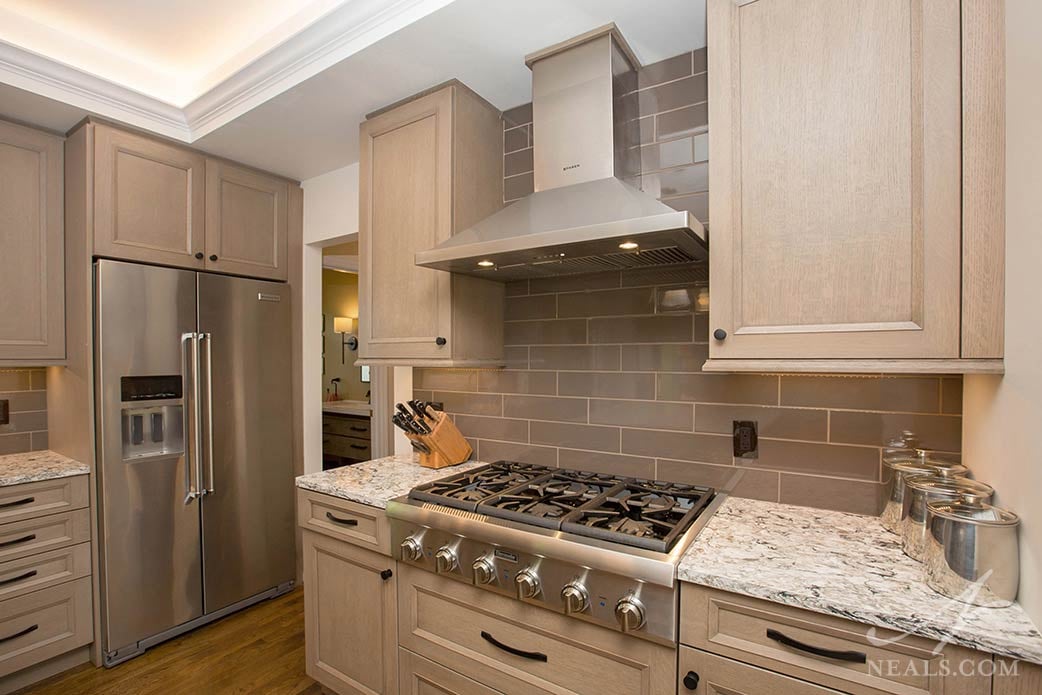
pixel 588 212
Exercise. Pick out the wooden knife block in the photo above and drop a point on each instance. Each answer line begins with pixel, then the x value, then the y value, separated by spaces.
pixel 447 445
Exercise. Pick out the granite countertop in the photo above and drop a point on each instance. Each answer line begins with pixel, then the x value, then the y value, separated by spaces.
pixel 378 481
pixel 845 565
pixel 360 408
pixel 34 466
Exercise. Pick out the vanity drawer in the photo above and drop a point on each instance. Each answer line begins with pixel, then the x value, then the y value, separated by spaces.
pixel 823 649
pixel 520 649
pixel 44 624
pixel 346 426
pixel 39 571
pixel 23 538
pixel 716 675
pixel 30 500
pixel 355 523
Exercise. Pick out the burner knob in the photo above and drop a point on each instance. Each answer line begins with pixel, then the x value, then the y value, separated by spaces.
pixel 411 549
pixel 527 582
pixel 575 597
pixel 629 611
pixel 445 559
pixel 484 571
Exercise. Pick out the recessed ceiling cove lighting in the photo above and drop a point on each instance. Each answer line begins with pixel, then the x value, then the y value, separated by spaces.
pixel 629 245
pixel 486 264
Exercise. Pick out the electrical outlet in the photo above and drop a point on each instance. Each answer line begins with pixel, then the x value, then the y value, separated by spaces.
pixel 746 445
pixel 5 412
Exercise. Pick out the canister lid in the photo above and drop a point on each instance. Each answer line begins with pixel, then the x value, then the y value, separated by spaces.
pixel 973 513
pixel 952 488
pixel 946 469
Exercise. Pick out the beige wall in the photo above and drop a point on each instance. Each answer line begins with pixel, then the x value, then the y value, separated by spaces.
pixel 1003 414
pixel 340 298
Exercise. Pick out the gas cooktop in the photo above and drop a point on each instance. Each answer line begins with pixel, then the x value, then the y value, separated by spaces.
pixel 649 514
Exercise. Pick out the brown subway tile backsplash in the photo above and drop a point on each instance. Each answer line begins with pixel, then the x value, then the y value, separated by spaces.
pixel 20 380
pixel 17 443
pixel 604 370
pixel 26 396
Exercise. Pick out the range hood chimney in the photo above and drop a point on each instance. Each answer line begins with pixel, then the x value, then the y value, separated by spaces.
pixel 588 212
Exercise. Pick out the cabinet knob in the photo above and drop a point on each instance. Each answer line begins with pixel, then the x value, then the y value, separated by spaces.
pixel 719 334
pixel 440 341
pixel 199 255
pixel 213 256
pixel 386 574
pixel 691 680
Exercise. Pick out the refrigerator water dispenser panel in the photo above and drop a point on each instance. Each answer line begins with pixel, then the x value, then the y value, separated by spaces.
pixel 153 431
pixel 150 388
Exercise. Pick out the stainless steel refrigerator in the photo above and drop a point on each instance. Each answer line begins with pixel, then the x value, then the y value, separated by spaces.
pixel 193 381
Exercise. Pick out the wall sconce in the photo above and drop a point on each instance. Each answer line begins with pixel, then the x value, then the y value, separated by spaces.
pixel 347 326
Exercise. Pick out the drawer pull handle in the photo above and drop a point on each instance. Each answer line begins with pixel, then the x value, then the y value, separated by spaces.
pixel 534 656
pixel 359 429
pixel 23 633
pixel 18 503
pixel 16 541
pixel 856 657
pixel 359 447
pixel 344 522
pixel 20 577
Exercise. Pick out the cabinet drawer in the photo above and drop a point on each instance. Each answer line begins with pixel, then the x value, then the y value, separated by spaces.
pixel 44 624
pixel 346 426
pixel 479 634
pixel 716 675
pixel 31 500
pixel 31 536
pixel 348 447
pixel 349 521
pixel 419 676
pixel 39 571
pixel 783 639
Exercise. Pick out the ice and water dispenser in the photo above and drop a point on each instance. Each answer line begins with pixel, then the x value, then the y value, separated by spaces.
pixel 152 424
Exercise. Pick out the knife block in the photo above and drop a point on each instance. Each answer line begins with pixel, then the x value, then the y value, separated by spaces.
pixel 447 445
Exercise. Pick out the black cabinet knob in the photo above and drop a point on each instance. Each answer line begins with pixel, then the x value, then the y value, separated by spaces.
pixel 386 574
pixel 719 334
pixel 213 256
pixel 199 255
pixel 440 341
pixel 691 680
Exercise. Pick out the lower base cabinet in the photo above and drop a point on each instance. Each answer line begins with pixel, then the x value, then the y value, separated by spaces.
pixel 350 617
pixel 701 673
pixel 419 676
pixel 44 624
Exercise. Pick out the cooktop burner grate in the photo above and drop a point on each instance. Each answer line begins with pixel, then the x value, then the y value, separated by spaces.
pixel 649 514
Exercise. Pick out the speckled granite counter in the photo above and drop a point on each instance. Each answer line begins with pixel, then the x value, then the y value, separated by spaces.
pixel 359 408
pixel 377 481
pixel 33 466
pixel 844 565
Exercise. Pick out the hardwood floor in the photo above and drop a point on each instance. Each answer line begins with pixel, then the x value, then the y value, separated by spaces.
pixel 259 650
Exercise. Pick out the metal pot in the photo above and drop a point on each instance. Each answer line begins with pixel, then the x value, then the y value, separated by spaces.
pixel 971 553
pixel 920 490
pixel 899 467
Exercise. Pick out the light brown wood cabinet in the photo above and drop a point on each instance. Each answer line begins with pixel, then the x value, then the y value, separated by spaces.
pixel 430 167
pixel 32 270
pixel 350 617
pixel 158 202
pixel 836 188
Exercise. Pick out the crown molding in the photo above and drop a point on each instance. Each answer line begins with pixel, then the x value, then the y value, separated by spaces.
pixel 325 42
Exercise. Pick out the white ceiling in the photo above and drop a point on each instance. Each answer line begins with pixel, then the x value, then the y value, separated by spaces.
pixel 300 116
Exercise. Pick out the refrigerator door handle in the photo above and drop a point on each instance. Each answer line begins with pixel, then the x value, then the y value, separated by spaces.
pixel 190 489
pixel 197 412
pixel 208 337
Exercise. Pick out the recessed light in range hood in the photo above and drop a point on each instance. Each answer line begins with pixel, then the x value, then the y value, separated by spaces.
pixel 588 212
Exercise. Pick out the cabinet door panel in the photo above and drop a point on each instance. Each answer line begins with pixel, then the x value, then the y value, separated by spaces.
pixel 148 200
pixel 419 676
pixel 835 178
pixel 350 617
pixel 406 175
pixel 32 286
pixel 246 222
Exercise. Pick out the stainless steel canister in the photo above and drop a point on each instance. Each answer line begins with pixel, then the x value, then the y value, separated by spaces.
pixel 897 468
pixel 971 553
pixel 920 490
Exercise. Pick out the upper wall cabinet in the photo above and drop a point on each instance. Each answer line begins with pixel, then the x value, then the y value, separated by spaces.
pixel 32 272
pixel 157 202
pixel 836 189
pixel 430 167
pixel 246 221
pixel 148 200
